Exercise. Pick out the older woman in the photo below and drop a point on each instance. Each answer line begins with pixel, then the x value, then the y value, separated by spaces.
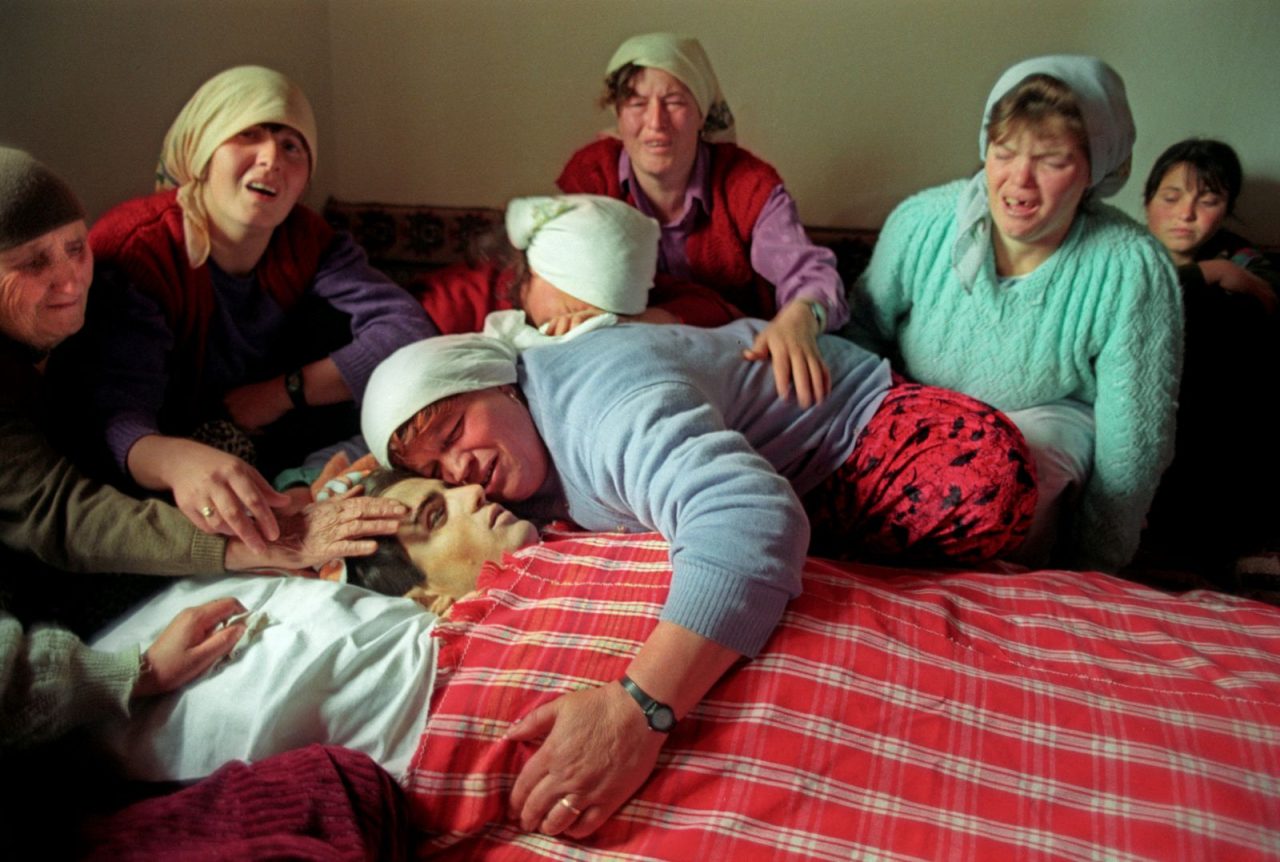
pixel 51 516
pixel 1019 288
pixel 1231 292
pixel 727 222
pixel 214 274
pixel 665 428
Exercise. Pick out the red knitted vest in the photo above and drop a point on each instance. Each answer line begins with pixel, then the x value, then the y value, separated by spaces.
pixel 718 251
pixel 144 238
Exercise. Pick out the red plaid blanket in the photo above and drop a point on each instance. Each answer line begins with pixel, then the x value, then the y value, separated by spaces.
pixel 893 715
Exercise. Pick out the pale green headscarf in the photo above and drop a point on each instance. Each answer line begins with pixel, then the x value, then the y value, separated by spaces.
pixel 226 104
pixel 683 58
pixel 1108 124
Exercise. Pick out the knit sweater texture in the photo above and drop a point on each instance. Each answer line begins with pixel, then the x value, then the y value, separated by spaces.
pixel 50 683
pixel 667 428
pixel 1100 321
pixel 52 513
pixel 718 250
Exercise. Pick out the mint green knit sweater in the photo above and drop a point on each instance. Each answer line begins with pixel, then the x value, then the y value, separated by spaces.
pixel 1100 321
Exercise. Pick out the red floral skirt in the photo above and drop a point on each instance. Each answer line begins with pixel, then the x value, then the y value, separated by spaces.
pixel 936 476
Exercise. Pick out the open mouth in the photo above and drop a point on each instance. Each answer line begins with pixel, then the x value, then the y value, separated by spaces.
pixel 1019 206
pixel 262 188
pixel 486 478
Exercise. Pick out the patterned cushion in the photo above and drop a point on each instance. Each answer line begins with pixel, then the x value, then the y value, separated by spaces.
pixel 892 715
pixel 406 241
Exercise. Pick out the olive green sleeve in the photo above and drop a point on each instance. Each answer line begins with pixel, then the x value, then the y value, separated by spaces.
pixel 52 511
pixel 50 683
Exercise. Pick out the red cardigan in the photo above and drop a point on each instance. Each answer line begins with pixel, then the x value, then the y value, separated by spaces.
pixel 144 237
pixel 718 251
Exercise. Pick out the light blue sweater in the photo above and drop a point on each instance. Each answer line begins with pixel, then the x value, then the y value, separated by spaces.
pixel 1100 321
pixel 667 428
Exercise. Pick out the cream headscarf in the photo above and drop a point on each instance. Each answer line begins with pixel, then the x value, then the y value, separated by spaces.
pixel 683 58
pixel 425 372
pixel 596 249
pixel 1108 125
pixel 226 104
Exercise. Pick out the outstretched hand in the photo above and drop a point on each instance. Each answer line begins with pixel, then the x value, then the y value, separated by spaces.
pixel 791 341
pixel 597 749
pixel 189 646
pixel 325 531
pixel 218 492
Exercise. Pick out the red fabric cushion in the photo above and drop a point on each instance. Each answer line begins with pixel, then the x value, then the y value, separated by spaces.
pixel 893 714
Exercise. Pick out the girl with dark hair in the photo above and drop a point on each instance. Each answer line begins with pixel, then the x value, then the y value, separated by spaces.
pixel 1229 289
pixel 1191 191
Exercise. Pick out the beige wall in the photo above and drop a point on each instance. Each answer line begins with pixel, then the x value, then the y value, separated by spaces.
pixel 91 86
pixel 857 102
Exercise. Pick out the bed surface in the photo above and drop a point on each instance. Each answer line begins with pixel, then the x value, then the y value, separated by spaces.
pixel 898 715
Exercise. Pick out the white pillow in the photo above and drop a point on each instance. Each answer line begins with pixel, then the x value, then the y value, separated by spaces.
pixel 334 664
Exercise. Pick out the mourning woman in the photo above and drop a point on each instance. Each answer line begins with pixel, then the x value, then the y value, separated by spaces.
pixel 666 428
pixel 1018 287
pixel 728 223
pixel 53 519
pixel 198 374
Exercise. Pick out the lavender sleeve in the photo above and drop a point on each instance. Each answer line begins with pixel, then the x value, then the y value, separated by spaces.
pixel 784 255
pixel 384 316
pixel 132 375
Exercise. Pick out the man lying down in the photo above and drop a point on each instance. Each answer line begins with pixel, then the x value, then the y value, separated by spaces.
pixel 321 661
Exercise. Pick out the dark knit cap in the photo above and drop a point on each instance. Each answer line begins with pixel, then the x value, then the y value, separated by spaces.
pixel 33 199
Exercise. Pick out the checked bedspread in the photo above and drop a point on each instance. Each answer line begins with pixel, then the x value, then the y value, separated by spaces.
pixel 893 715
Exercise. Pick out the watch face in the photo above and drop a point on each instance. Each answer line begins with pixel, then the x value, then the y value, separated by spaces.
pixel 662 719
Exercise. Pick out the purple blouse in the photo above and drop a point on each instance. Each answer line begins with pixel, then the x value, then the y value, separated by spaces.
pixel 781 252
pixel 136 352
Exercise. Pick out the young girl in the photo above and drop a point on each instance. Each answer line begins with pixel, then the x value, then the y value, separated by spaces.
pixel 1229 289
pixel 206 281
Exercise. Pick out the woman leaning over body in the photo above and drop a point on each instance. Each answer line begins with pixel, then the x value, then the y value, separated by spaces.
pixel 213 274
pixel 727 221
pixel 665 428
pixel 52 517
pixel 1017 287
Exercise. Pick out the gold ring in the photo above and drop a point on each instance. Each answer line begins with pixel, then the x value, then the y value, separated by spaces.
pixel 207 511
pixel 564 800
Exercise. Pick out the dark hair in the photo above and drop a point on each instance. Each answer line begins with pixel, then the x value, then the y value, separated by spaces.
pixel 619 86
pixel 388 570
pixel 1034 102
pixel 493 247
pixel 1215 165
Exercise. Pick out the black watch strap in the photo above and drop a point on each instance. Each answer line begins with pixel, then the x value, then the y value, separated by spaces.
pixel 660 716
pixel 293 386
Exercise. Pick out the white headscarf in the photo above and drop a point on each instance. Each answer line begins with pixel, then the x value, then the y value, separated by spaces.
pixel 683 58
pixel 226 104
pixel 1108 125
pixel 596 249
pixel 425 372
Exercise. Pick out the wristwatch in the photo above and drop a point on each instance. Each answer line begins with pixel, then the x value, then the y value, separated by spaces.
pixel 293 386
pixel 660 716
